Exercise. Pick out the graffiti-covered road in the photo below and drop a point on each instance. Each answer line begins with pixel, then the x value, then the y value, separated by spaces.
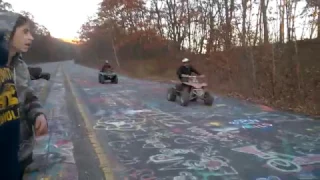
pixel 66 152
pixel 139 135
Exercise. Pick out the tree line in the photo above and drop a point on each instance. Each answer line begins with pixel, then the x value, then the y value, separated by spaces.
pixel 202 26
pixel 264 50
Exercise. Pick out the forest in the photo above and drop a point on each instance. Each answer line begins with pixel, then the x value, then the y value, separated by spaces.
pixel 45 48
pixel 263 51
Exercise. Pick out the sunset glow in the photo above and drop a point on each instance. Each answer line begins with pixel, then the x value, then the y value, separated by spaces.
pixel 73 41
pixel 62 18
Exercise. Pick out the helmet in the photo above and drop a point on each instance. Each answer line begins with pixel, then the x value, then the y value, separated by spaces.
pixel 184 60
pixel 106 61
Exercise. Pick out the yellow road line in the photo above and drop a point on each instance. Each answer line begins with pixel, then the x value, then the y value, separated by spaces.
pixel 103 160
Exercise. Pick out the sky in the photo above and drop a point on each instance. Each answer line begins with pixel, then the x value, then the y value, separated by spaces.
pixel 63 18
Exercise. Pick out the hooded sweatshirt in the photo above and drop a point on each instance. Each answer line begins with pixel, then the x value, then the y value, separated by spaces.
pixel 30 107
pixel 9 110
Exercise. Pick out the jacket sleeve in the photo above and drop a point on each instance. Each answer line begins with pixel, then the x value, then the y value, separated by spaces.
pixel 195 71
pixel 179 73
pixel 26 93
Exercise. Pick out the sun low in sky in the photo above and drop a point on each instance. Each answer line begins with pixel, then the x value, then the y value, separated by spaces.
pixel 63 18
pixel 69 40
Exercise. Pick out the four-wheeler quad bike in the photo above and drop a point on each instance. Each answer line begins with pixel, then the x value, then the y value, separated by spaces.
pixel 36 73
pixel 108 75
pixel 190 90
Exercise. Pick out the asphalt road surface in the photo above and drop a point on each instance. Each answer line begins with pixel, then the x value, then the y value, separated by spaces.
pixel 129 131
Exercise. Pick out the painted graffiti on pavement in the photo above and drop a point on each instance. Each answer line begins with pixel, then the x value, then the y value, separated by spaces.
pixel 269 178
pixel 281 162
pixel 120 124
pixel 157 140
pixel 250 123
pixel 53 154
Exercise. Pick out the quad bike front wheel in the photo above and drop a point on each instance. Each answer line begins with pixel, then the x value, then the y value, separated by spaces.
pixel 114 80
pixel 171 95
pixel 184 97
pixel 101 79
pixel 194 98
pixel 208 99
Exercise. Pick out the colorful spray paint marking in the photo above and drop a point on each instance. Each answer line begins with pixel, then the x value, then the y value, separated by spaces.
pixel 53 154
pixel 281 162
pixel 250 123
pixel 269 178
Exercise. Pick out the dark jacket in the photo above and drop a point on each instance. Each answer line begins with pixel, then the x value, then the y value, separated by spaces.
pixel 105 67
pixel 186 70
pixel 9 126
pixel 9 106
pixel 30 106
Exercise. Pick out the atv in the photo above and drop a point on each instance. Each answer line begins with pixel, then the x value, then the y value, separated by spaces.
pixel 36 73
pixel 190 90
pixel 108 75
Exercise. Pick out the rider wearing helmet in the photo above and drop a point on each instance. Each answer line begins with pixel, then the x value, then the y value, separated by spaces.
pixel 106 66
pixel 185 69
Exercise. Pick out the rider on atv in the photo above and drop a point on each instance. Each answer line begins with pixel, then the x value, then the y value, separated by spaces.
pixel 106 66
pixel 185 69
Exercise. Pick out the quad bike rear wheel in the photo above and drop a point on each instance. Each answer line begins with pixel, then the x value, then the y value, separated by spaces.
pixel 35 72
pixel 184 97
pixel 114 80
pixel 45 76
pixel 208 99
pixel 171 95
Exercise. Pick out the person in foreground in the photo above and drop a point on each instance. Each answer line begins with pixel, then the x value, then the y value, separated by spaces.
pixel 106 66
pixel 31 111
pixel 9 116
pixel 185 69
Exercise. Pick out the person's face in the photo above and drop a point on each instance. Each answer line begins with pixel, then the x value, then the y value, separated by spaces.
pixel 186 64
pixel 22 38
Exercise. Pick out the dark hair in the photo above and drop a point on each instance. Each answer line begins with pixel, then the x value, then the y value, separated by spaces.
pixel 21 20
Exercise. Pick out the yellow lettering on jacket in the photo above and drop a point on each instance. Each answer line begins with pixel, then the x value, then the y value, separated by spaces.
pixel 9 116
pixel 9 102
